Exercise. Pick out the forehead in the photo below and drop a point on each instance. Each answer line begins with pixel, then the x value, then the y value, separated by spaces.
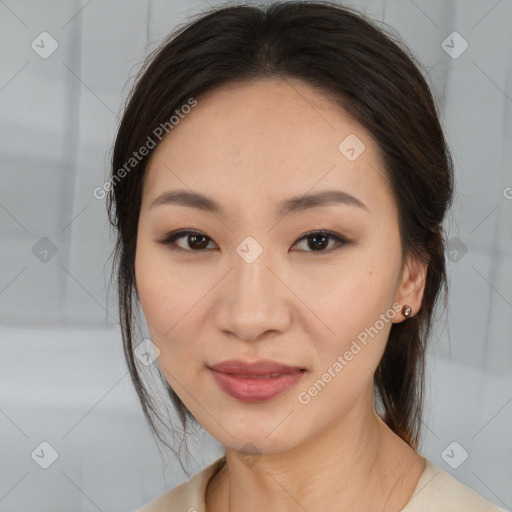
pixel 273 139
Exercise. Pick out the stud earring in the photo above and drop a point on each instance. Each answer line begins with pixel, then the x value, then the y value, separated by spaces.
pixel 406 311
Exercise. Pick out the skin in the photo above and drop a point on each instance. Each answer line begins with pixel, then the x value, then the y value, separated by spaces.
pixel 249 147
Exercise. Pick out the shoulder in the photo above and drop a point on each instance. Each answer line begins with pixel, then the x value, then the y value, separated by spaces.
pixel 438 491
pixel 188 496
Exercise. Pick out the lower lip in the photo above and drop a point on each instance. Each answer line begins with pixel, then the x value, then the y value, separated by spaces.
pixel 255 389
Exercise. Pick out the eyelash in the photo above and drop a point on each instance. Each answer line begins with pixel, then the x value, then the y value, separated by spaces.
pixel 170 240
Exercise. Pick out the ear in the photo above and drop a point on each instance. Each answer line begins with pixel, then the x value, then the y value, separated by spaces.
pixel 411 286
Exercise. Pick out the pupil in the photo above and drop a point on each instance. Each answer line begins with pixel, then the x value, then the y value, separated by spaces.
pixel 321 245
pixel 194 240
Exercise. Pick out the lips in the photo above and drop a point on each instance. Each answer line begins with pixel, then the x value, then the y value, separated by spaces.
pixel 255 382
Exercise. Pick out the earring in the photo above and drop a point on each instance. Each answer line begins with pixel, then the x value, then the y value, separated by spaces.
pixel 406 311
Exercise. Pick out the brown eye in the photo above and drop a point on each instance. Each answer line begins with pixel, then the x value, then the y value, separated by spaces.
pixel 317 241
pixel 195 241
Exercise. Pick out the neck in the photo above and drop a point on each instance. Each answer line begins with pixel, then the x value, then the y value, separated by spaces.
pixel 350 467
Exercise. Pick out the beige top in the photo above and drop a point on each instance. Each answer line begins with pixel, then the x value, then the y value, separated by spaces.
pixel 436 491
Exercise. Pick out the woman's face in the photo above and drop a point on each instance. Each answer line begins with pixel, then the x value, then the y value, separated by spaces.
pixel 252 286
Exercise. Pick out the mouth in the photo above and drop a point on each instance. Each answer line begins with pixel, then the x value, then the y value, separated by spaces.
pixel 255 382
pixel 263 367
pixel 270 376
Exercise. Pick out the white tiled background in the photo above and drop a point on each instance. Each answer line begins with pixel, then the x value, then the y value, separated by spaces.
pixel 63 379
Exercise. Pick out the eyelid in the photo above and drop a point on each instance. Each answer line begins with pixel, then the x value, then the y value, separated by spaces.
pixel 338 238
pixel 170 238
pixel 181 233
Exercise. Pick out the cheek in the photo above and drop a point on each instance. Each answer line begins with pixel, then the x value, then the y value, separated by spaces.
pixel 168 303
pixel 355 302
pixel 151 289
pixel 163 293
pixel 352 293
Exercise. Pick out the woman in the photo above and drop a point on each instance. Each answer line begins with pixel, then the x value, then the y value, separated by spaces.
pixel 279 184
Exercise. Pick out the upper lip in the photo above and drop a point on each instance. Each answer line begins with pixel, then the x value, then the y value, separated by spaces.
pixel 262 367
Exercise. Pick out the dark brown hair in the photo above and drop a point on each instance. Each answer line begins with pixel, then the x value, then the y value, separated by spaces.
pixel 369 72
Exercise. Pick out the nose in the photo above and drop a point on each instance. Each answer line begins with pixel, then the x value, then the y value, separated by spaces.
pixel 254 300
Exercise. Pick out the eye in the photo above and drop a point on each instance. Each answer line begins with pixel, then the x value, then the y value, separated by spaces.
pixel 197 241
pixel 318 240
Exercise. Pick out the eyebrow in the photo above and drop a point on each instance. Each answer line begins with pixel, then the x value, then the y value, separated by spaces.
pixel 291 205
